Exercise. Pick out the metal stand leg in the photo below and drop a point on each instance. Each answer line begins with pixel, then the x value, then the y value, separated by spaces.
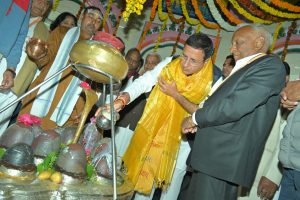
pixel 34 89
pixel 113 139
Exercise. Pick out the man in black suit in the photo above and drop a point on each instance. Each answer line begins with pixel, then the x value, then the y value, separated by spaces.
pixel 234 122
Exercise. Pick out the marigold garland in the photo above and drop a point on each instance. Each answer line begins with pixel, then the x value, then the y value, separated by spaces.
pixel 216 15
pixel 55 4
pixel 171 16
pixel 185 13
pixel 253 10
pixel 139 46
pixel 217 44
pixel 285 5
pixel 118 24
pixel 247 15
pixel 152 16
pixel 198 28
pixel 275 35
pixel 292 27
pixel 181 28
pixel 201 18
pixel 162 17
pixel 106 13
pixel 228 14
pixel 133 6
pixel 160 35
pixel 80 9
pixel 265 7
pixel 153 10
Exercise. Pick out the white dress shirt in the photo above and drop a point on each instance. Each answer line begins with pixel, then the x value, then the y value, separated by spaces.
pixel 238 65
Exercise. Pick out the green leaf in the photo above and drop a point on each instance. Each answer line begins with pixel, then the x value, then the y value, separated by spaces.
pixel 40 168
pixel 2 152
pixel 90 170
pixel 62 145
pixel 48 162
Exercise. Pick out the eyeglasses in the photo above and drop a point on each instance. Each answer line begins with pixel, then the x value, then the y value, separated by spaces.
pixel 191 60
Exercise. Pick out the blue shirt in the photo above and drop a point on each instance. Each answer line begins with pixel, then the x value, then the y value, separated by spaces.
pixel 14 22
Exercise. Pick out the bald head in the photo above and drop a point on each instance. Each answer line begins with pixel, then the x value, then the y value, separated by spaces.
pixel 261 31
pixel 152 60
pixel 249 40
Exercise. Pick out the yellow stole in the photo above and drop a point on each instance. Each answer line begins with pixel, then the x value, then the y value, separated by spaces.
pixel 152 153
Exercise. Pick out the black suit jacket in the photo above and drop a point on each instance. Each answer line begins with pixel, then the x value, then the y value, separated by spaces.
pixel 235 121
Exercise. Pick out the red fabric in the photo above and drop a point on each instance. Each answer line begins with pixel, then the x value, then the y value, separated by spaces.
pixel 133 73
pixel 108 38
pixel 23 4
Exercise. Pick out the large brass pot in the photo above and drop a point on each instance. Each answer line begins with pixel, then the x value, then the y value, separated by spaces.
pixel 95 60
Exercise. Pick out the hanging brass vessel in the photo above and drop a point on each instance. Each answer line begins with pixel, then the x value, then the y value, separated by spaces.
pixel 95 60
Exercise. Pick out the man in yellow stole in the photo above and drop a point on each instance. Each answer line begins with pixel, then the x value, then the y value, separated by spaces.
pixel 179 86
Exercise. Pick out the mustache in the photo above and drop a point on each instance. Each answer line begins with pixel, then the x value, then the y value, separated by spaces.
pixel 90 26
pixel 91 29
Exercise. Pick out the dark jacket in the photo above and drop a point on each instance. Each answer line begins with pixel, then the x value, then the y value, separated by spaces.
pixel 235 122
pixel 132 113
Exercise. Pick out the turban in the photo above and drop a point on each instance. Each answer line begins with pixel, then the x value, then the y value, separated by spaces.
pixel 109 39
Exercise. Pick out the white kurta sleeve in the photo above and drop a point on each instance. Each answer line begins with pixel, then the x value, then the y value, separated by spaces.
pixel 145 82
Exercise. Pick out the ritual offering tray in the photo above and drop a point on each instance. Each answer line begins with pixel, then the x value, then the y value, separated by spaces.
pixel 37 190
pixel 63 171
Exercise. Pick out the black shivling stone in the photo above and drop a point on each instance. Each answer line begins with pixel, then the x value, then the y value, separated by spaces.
pixel 19 155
